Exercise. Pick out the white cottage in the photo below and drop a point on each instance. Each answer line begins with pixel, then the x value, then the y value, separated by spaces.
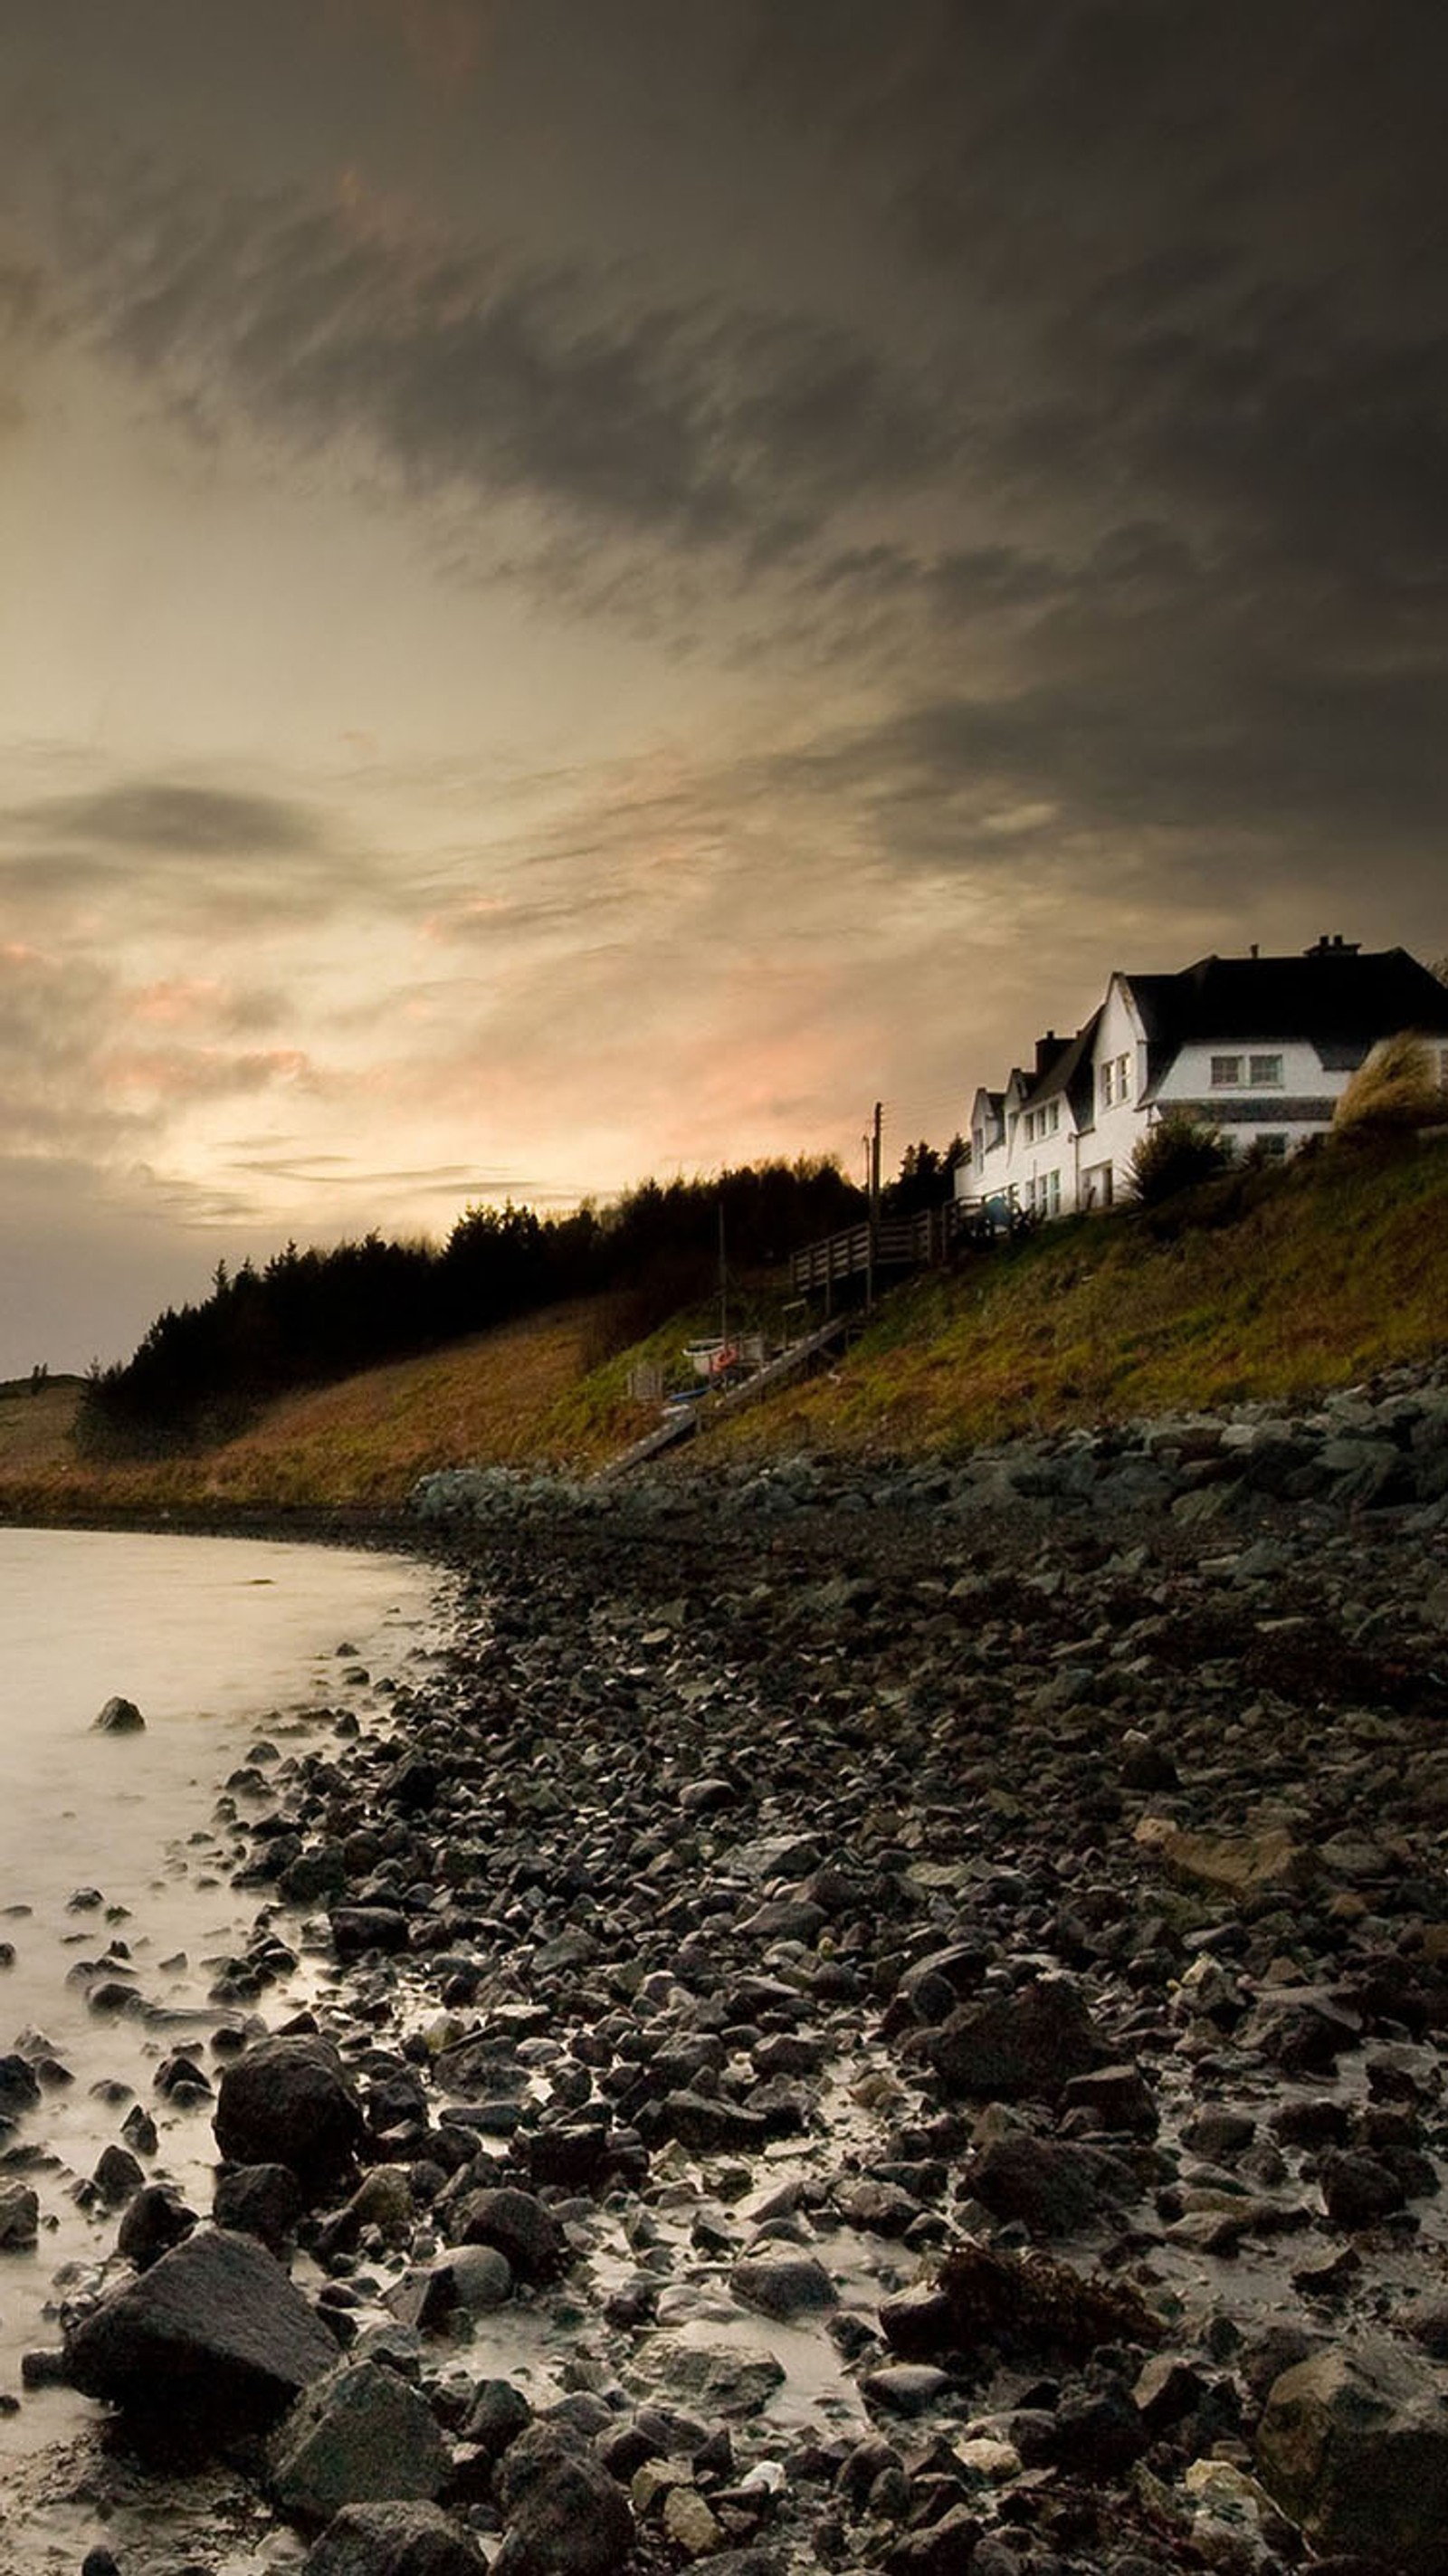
pixel 1260 1048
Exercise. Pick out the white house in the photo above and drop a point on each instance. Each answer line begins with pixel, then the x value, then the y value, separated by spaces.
pixel 1260 1048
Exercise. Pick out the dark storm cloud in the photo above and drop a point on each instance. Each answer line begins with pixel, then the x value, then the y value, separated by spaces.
pixel 179 853
pixel 26 310
pixel 469 373
pixel 1087 785
pixel 1208 241
pixel 163 819
pixel 1129 507
pixel 29 324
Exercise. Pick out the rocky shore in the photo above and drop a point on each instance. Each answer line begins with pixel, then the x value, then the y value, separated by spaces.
pixel 859 2018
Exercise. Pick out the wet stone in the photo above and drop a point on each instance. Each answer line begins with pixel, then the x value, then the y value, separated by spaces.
pixel 784 2285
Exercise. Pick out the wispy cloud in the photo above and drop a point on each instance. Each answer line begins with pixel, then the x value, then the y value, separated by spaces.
pixel 460 369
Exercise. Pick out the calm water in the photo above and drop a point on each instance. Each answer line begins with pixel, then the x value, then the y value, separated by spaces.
pixel 221 1642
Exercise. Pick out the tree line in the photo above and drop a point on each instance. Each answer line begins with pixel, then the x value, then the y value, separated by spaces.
pixel 307 1317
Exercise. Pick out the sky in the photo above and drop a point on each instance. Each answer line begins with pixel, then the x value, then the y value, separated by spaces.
pixel 592 586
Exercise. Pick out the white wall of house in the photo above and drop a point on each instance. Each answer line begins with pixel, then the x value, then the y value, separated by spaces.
pixel 1032 1165
pixel 1239 1087
pixel 1118 1080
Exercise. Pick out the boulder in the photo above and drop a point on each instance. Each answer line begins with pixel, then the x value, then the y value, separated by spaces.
pixel 1053 2187
pixel 517 2223
pixel 1353 2445
pixel 394 2540
pixel 1011 2047
pixel 264 2201
pixel 783 2285
pixel 19 2086
pixel 19 2214
pixel 360 2435
pixel 565 2515
pixel 1117 2097
pixel 709 2125
pixel 119 1717
pixel 356 1929
pixel 214 2336
pixel 1236 1865
pixel 156 2219
pixel 287 2102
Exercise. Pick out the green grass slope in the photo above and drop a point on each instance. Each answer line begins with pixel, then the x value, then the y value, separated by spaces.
pixel 1277 1284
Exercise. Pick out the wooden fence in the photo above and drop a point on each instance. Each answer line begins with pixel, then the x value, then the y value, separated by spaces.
pixel 890 1243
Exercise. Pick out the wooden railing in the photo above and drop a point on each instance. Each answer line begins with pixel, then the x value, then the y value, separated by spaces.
pixel 890 1243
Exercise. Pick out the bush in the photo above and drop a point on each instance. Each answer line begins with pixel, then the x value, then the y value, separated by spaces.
pixel 1177 1154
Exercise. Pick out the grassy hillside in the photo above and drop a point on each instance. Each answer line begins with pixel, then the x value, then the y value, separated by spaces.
pixel 356 1446
pixel 1279 1284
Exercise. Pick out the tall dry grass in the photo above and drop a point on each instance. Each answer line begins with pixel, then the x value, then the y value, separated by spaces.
pixel 1395 1090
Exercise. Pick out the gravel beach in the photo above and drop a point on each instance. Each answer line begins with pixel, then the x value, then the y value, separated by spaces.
pixel 860 2018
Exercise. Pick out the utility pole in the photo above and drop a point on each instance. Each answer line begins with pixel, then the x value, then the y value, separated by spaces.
pixel 873 1186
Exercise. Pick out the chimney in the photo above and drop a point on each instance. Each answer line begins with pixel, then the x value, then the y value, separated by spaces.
pixel 1047 1050
pixel 1333 944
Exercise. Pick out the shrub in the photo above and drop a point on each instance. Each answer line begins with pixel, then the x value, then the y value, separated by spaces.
pixel 1179 1153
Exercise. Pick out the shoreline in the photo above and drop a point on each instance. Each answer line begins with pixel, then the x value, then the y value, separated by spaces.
pixel 705 1891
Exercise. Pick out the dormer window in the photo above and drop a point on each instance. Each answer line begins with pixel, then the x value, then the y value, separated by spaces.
pixel 1264 1072
pixel 1226 1072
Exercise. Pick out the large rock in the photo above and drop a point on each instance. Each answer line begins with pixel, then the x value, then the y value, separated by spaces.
pixel 360 2435
pixel 1054 2187
pixel 1231 1864
pixel 783 2285
pixel 394 2540
pixel 119 1717
pixel 287 2102
pixel 259 2200
pixel 213 2337
pixel 19 2086
pixel 565 2515
pixel 517 2223
pixel 1353 2444
pixel 19 2214
pixel 1010 2047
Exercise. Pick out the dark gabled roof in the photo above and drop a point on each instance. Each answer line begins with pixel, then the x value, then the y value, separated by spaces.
pixel 1069 1071
pixel 1331 997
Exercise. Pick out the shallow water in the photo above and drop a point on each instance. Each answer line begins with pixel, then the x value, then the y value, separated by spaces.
pixel 220 1642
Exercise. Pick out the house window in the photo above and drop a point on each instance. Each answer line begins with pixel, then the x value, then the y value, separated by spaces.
pixel 1053 1117
pixel 1264 1072
pixel 1123 1077
pixel 1051 1193
pixel 1273 1149
pixel 1226 1071
pixel 1108 1077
